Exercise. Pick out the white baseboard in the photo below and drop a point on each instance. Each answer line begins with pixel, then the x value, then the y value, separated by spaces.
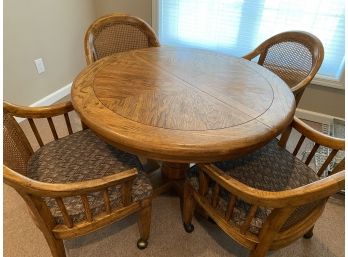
pixel 51 98
pixel 315 116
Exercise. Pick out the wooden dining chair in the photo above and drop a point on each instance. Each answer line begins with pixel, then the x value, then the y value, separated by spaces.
pixel 268 198
pixel 74 184
pixel 116 33
pixel 295 56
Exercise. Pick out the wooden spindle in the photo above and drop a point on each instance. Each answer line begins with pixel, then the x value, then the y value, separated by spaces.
pixel 68 124
pixel 285 137
pixel 299 144
pixel 87 208
pixel 106 201
pixel 310 156
pixel 262 58
pixel 230 207
pixel 339 167
pixel 36 132
pixel 127 192
pixel 67 219
pixel 327 162
pixel 203 183
pixel 53 128
pixel 249 218
pixel 215 195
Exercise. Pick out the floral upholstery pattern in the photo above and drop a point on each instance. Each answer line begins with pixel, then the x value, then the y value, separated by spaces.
pixel 270 168
pixel 83 156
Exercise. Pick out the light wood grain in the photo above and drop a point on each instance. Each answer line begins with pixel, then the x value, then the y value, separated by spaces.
pixel 182 105
pixel 116 33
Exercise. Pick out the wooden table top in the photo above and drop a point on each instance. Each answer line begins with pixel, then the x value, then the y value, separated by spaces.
pixel 182 105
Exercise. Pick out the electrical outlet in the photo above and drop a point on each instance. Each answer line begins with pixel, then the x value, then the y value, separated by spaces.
pixel 39 65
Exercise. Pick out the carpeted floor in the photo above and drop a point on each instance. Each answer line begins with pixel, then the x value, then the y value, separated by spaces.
pixel 168 238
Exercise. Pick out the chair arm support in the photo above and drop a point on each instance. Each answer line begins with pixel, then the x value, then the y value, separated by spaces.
pixel 27 185
pixel 293 197
pixel 255 52
pixel 316 136
pixel 38 112
pixel 251 55
pixel 301 86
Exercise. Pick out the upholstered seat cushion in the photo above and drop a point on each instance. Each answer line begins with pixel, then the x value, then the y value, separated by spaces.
pixel 83 156
pixel 270 168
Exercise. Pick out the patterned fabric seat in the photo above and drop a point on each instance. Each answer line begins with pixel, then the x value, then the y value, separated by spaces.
pixel 83 156
pixel 270 168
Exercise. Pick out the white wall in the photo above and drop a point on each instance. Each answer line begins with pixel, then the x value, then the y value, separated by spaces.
pixel 324 100
pixel 53 30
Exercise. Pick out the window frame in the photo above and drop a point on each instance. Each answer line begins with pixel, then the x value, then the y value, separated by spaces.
pixel 320 80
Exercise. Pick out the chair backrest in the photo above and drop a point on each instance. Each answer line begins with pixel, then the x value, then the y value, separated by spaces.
pixel 314 196
pixel 295 56
pixel 117 33
pixel 17 149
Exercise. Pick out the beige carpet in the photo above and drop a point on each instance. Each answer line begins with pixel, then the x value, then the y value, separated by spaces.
pixel 168 238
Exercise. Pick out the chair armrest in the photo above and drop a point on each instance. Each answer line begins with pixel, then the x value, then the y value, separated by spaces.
pixel 38 112
pixel 251 55
pixel 257 51
pixel 301 85
pixel 316 136
pixel 23 183
pixel 287 198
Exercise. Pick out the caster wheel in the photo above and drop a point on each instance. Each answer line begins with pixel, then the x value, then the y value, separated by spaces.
pixel 142 244
pixel 308 235
pixel 189 228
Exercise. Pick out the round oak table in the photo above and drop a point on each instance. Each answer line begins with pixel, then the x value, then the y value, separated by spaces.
pixel 182 105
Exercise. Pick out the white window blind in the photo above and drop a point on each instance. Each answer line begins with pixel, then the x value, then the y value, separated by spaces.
pixel 238 26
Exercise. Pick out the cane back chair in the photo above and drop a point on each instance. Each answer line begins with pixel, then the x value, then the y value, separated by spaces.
pixel 268 198
pixel 295 56
pixel 117 33
pixel 75 184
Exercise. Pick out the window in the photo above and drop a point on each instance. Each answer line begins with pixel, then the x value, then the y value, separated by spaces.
pixel 238 26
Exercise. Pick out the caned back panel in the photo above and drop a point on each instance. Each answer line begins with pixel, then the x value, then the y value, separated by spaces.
pixel 17 149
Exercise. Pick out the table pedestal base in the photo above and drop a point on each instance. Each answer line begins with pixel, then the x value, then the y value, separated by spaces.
pixel 171 176
pixel 174 171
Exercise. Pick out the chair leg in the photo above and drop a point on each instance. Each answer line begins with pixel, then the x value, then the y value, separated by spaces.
pixel 144 222
pixel 259 251
pixel 44 221
pixel 188 208
pixel 56 245
pixel 309 233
